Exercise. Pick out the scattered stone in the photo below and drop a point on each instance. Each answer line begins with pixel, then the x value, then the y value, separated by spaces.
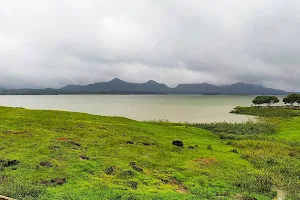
pixel 147 144
pixel 132 163
pixel 191 147
pixel 178 143
pixel 135 167
pixel 129 142
pixel 133 184
pixel 59 181
pixel 110 170
pixel 293 154
pixel 235 151
pixel 75 143
pixel 84 157
pixel 8 163
pixel 46 164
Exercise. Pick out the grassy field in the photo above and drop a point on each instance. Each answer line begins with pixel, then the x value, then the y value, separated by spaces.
pixel 65 155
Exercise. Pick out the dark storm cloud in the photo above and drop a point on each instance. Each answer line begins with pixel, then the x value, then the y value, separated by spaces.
pixel 51 43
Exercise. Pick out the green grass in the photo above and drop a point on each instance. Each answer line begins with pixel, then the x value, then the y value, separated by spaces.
pixel 250 160
pixel 169 172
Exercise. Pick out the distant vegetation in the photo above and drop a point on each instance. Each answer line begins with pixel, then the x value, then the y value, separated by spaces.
pixel 280 111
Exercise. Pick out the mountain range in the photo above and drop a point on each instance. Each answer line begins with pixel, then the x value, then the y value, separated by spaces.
pixel 119 86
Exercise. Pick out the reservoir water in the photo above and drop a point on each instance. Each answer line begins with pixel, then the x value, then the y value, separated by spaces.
pixel 175 108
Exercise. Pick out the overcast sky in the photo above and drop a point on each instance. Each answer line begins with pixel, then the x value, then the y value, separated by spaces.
pixel 51 43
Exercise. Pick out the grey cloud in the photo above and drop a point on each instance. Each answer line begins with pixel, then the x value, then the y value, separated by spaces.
pixel 52 43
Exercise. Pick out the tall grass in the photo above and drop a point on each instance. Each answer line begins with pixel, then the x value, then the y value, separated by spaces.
pixel 246 128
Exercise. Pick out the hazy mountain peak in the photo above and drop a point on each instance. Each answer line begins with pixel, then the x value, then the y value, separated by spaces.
pixel 151 82
pixel 116 80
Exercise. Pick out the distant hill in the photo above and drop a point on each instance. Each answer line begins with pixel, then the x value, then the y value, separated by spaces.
pixel 234 89
pixel 1 88
pixel 117 85
pixel 244 88
pixel 201 88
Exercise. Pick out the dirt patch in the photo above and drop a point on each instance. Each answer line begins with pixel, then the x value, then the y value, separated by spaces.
pixel 62 139
pixel 182 190
pixel 206 161
pixel 280 195
pixel 5 198
pixel 59 181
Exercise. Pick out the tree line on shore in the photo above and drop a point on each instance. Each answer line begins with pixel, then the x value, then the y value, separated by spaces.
pixel 290 99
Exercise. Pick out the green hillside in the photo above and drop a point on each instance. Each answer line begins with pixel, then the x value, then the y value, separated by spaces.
pixel 65 155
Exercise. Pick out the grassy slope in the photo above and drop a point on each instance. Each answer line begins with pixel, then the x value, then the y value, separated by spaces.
pixel 170 172
pixel 277 154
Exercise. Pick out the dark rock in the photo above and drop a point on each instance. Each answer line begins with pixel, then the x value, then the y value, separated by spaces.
pixel 110 170
pixel 191 147
pixel 59 181
pixel 133 184
pixel 235 151
pixel 178 143
pixel 75 143
pixel 46 164
pixel 129 142
pixel 293 154
pixel 147 144
pixel 84 157
pixel 137 168
pixel 8 163
pixel 132 163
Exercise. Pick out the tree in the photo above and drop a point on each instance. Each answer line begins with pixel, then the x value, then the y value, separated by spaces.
pixel 269 100
pixel 272 100
pixel 259 100
pixel 291 99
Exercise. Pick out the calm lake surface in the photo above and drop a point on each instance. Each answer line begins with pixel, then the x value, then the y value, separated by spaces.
pixel 176 108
